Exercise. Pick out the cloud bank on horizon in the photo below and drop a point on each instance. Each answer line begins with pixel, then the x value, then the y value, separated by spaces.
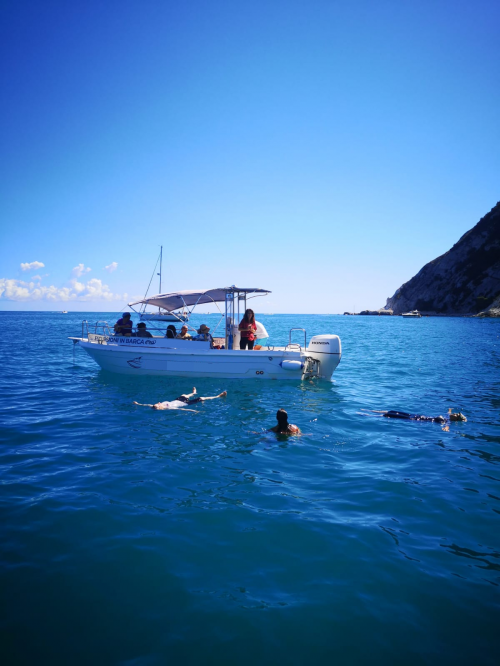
pixel 94 289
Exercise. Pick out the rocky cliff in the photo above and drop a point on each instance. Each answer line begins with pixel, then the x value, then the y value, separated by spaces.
pixel 464 280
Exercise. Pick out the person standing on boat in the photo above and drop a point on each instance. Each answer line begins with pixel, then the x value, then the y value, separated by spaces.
pixel 248 329
pixel 124 325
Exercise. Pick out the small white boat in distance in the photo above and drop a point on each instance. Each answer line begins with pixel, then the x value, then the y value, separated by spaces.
pixel 414 314
pixel 220 357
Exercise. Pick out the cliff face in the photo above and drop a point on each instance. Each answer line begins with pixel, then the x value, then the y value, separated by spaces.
pixel 464 280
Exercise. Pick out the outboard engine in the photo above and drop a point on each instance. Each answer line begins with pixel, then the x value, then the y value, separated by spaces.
pixel 327 350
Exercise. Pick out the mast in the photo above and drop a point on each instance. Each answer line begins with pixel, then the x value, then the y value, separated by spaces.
pixel 161 258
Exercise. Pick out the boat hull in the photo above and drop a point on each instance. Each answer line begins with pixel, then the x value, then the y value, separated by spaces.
pixel 237 364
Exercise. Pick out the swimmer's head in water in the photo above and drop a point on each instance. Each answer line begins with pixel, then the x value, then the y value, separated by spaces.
pixel 458 416
pixel 282 417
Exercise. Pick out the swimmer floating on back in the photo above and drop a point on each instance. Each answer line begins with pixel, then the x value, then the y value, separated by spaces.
pixel 283 427
pixel 182 401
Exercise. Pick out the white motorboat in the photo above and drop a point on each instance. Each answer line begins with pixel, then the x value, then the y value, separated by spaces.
pixel 414 314
pixel 219 357
pixel 164 316
pixel 161 315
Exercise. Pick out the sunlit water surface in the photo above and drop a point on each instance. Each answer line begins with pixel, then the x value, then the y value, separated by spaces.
pixel 130 536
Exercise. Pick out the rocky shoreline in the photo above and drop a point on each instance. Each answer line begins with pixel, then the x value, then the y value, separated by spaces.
pixel 491 312
pixel 463 282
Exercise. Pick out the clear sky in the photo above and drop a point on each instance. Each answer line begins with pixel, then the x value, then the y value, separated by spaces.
pixel 325 150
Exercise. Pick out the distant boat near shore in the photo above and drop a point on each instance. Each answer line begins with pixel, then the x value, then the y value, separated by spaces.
pixel 414 314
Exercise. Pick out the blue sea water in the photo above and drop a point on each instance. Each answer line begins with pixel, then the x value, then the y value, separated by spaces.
pixel 135 537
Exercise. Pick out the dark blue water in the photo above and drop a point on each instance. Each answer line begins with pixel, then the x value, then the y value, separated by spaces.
pixel 133 537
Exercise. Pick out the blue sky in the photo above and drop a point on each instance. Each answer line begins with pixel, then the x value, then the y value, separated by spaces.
pixel 322 150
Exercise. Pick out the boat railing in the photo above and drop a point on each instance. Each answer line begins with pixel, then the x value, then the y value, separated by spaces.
pixel 100 327
pixel 294 344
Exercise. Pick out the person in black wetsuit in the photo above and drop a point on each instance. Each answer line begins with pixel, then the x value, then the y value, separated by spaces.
pixel 452 416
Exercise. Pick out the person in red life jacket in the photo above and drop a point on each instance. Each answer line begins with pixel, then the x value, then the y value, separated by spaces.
pixel 248 329
pixel 124 325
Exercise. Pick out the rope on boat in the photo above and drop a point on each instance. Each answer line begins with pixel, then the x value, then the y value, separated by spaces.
pixel 152 276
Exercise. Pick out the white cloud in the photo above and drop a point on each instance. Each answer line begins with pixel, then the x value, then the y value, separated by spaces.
pixel 36 277
pixel 77 286
pixel 112 267
pixel 32 266
pixel 80 270
pixel 93 290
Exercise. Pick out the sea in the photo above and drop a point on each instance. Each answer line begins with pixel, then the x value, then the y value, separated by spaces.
pixel 135 537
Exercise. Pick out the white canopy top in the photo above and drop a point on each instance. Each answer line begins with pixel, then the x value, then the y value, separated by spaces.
pixel 181 299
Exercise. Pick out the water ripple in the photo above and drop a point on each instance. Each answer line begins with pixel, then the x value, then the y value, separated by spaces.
pixel 154 537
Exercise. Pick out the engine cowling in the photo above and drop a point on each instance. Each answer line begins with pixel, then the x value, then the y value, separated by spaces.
pixel 326 349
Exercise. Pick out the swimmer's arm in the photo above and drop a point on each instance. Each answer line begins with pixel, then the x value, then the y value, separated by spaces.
pixel 141 404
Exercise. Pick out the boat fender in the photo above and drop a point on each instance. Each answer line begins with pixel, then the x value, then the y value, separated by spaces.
pixel 291 365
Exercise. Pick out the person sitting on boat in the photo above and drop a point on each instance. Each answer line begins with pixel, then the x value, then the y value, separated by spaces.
pixel 182 401
pixel 283 427
pixel 142 332
pixel 204 334
pixel 171 331
pixel 451 416
pixel 183 335
pixel 124 325
pixel 248 329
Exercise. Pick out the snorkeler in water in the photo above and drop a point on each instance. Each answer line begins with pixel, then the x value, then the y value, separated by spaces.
pixel 283 427
pixel 451 416
pixel 182 401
